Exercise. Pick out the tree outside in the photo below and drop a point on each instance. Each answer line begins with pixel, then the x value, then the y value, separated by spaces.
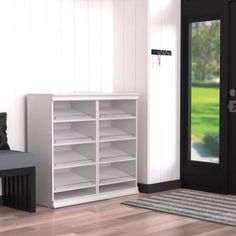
pixel 205 75
pixel 205 51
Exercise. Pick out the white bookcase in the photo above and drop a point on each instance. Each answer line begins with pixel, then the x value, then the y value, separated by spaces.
pixel 86 146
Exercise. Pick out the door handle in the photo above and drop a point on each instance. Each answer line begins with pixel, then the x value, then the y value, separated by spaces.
pixel 232 106
pixel 232 92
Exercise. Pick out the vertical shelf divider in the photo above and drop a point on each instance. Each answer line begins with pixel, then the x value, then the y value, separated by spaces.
pixel 97 146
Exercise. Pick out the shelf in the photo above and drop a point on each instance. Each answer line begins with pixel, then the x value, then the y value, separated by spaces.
pixel 118 118
pixel 117 139
pixel 70 115
pixel 110 133
pixel 69 158
pixel 69 180
pixel 74 194
pixel 73 119
pixel 90 148
pixel 117 187
pixel 111 175
pixel 109 113
pixel 110 154
pixel 66 137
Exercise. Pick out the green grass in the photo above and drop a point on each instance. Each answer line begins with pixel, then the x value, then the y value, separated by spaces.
pixel 205 111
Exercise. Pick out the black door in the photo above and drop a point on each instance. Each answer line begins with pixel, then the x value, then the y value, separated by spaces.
pixel 205 55
pixel 232 98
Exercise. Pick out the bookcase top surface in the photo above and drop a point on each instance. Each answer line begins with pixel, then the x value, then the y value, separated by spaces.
pixel 88 96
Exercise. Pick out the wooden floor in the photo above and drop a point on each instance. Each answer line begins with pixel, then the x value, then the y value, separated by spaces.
pixel 104 218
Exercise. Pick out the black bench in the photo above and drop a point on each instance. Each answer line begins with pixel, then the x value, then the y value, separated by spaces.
pixel 17 170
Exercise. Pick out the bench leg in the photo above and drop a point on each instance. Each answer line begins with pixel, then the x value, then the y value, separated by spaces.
pixel 19 188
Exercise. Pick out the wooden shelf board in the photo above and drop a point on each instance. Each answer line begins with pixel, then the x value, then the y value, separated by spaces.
pixel 111 154
pixel 73 143
pixel 110 175
pixel 69 113
pixel 118 118
pixel 73 120
pixel 74 194
pixel 69 180
pixel 111 133
pixel 69 158
pixel 68 136
pixel 111 112
pixel 117 187
pixel 117 139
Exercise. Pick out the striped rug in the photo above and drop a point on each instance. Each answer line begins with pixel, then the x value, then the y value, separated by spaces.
pixel 201 205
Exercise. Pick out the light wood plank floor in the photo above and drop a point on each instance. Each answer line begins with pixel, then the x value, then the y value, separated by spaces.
pixel 104 218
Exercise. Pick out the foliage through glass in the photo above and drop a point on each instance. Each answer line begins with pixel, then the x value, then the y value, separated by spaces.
pixel 205 90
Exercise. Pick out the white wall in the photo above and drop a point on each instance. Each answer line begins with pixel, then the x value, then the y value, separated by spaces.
pixel 87 46
pixel 164 92
pixel 124 45
pixel 143 25
pixel 131 42
pixel 52 46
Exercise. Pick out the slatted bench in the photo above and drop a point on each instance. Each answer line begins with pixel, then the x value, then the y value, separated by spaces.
pixel 17 170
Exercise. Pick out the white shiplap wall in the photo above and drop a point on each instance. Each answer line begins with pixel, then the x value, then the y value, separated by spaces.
pixel 52 46
pixel 124 45
pixel 164 92
pixel 93 46
pixel 142 25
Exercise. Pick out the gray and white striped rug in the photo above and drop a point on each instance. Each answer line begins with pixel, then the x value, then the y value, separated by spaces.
pixel 201 205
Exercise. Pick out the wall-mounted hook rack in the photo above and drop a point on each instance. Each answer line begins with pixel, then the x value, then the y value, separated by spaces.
pixel 161 52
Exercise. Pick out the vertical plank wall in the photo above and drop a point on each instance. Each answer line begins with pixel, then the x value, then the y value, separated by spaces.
pixel 139 26
pixel 93 46
pixel 124 45
pixel 164 92
pixel 50 46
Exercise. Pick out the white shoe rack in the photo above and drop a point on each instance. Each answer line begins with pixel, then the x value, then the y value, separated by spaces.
pixel 86 146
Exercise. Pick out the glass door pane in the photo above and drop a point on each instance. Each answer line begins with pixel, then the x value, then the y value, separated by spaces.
pixel 205 90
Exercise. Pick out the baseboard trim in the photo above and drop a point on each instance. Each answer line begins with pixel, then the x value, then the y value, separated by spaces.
pixel 1 201
pixel 153 188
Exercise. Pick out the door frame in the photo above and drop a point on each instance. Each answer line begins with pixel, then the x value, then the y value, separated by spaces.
pixel 232 84
pixel 200 175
